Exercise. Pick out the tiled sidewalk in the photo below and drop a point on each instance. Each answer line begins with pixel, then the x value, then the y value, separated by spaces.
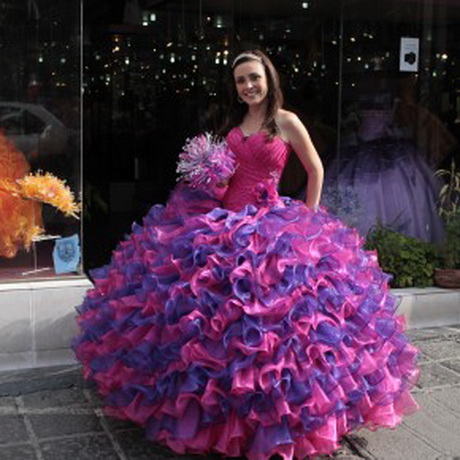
pixel 51 414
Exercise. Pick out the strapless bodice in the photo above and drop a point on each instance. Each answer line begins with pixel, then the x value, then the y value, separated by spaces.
pixel 260 161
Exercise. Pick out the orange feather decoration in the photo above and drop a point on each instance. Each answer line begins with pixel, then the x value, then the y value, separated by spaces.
pixel 20 220
pixel 20 197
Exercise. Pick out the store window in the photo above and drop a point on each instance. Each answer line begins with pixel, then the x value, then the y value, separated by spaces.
pixel 399 115
pixel 156 73
pixel 39 137
pixel 375 84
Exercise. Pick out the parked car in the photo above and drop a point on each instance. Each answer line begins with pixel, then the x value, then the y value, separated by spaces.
pixel 34 130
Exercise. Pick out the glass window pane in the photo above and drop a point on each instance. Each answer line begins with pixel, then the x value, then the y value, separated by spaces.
pixel 157 75
pixel 39 133
pixel 399 115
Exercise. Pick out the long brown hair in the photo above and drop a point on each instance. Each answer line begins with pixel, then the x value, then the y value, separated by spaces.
pixel 237 111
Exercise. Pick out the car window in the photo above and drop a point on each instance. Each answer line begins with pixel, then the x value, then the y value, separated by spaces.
pixel 9 122
pixel 20 122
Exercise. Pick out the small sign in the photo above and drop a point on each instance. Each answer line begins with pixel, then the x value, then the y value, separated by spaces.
pixel 409 54
pixel 66 254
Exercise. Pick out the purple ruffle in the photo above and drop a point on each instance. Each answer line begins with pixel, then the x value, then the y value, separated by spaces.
pixel 253 332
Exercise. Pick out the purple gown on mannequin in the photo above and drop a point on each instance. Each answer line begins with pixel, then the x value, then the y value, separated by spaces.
pixel 248 325
pixel 383 180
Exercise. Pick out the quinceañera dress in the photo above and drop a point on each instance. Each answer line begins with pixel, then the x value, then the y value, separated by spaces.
pixel 246 324
pixel 383 179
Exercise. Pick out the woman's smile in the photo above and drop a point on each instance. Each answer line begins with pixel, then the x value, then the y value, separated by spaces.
pixel 251 82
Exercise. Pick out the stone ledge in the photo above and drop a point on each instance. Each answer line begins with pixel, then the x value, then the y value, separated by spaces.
pixel 37 319
pixel 429 307
pixel 37 322
pixel 45 284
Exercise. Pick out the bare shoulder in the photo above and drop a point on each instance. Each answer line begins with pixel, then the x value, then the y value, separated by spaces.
pixel 289 125
pixel 286 119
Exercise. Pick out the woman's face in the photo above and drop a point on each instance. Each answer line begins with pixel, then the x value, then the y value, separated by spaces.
pixel 251 82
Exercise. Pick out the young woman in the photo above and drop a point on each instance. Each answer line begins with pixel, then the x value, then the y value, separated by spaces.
pixel 250 324
pixel 256 110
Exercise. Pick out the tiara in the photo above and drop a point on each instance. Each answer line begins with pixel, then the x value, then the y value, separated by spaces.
pixel 246 55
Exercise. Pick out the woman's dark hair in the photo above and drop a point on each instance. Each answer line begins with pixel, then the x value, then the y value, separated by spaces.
pixel 237 111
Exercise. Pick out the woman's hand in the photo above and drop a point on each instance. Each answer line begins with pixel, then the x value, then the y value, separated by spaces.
pixel 223 183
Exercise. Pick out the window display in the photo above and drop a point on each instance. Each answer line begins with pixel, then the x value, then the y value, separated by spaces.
pixel 399 120
pixel 382 128
pixel 149 86
pixel 39 138
pixel 376 85
pixel 387 179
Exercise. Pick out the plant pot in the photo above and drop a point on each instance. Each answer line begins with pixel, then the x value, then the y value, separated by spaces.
pixel 447 278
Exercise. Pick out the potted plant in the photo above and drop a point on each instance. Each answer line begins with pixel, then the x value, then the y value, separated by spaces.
pixel 448 275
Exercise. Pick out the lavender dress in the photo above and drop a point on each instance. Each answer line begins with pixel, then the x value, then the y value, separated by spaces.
pixel 383 179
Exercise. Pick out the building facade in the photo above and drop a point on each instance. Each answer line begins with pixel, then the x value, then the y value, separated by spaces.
pixel 103 95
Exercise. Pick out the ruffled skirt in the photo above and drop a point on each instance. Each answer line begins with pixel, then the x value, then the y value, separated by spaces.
pixel 263 331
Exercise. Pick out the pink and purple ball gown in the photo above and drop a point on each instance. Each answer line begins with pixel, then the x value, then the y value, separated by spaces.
pixel 246 324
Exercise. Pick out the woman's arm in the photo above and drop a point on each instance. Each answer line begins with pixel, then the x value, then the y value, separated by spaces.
pixel 293 130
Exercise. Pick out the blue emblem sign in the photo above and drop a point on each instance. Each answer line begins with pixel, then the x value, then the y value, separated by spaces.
pixel 66 254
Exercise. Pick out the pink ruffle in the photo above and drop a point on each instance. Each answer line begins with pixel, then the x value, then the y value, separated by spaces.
pixel 263 331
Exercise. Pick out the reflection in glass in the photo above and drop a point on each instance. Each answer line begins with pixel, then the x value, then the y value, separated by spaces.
pixel 40 126
pixel 397 126
pixel 150 84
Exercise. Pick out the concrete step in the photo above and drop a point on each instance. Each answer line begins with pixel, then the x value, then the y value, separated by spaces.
pixel 429 307
pixel 37 319
pixel 37 322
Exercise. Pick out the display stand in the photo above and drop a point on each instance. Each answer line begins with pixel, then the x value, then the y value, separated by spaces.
pixel 35 241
